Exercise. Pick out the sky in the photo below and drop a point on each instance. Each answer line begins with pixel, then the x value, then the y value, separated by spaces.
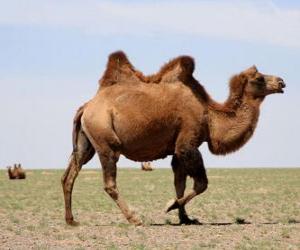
pixel 52 54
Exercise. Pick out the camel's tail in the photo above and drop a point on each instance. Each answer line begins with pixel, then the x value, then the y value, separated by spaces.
pixel 77 126
pixel 80 140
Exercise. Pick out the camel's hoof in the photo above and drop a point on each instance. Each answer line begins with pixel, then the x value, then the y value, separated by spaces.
pixel 188 221
pixel 135 221
pixel 171 205
pixel 72 222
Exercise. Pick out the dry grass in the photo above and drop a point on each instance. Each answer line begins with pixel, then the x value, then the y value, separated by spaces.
pixel 242 209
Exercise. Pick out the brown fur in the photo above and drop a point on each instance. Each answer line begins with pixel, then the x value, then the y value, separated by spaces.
pixel 146 118
pixel 181 69
pixel 16 173
pixel 76 125
pixel 119 66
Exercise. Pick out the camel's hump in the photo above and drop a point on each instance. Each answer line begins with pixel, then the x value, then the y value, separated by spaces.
pixel 119 69
pixel 177 69
pixel 118 56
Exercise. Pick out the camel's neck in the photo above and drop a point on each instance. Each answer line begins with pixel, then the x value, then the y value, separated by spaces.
pixel 10 174
pixel 228 131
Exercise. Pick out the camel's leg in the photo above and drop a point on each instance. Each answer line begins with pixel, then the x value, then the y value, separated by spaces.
pixel 180 184
pixel 108 160
pixel 84 152
pixel 183 167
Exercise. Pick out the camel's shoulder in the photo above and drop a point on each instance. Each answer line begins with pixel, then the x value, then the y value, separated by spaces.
pixel 119 70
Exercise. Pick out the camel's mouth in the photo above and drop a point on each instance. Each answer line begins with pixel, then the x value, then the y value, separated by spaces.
pixel 279 91
pixel 280 86
pixel 274 91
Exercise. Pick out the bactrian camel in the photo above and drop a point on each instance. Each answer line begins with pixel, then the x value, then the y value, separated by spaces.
pixel 146 166
pixel 16 173
pixel 146 118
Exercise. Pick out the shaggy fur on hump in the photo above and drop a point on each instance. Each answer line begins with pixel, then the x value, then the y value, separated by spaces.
pixel 119 69
pixel 118 65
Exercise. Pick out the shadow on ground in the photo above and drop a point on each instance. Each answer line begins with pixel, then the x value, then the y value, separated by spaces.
pixel 223 223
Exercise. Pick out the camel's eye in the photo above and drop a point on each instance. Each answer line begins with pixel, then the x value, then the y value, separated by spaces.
pixel 260 80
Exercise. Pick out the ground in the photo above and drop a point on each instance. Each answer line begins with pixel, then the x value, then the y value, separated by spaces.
pixel 242 209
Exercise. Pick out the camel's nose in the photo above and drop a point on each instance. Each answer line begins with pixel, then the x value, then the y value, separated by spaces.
pixel 281 82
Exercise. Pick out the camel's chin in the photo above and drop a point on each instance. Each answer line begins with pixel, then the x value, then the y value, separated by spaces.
pixel 275 91
pixel 280 91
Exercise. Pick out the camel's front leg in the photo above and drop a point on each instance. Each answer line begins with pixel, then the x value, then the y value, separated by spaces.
pixel 108 161
pixel 180 184
pixel 197 171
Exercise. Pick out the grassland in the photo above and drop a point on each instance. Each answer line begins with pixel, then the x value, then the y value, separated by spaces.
pixel 242 209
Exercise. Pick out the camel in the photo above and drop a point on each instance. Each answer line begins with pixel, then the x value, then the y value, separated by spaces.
pixel 146 118
pixel 16 173
pixel 146 166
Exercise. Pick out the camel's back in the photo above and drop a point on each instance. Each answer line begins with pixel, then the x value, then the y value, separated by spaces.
pixel 152 101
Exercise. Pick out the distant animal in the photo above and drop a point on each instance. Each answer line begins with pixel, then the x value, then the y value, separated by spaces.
pixel 146 166
pixel 16 173
pixel 146 118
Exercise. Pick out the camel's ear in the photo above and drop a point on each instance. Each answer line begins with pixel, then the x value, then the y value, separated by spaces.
pixel 251 70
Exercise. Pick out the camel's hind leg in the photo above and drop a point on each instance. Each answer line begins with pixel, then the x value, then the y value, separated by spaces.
pixel 83 153
pixel 108 160
pixel 182 167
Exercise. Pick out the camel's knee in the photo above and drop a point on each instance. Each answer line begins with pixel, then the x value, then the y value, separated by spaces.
pixel 111 189
pixel 200 186
pixel 66 185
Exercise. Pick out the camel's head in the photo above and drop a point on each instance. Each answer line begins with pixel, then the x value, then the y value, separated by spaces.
pixel 261 85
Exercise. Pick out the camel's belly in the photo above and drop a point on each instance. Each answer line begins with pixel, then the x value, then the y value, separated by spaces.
pixel 146 143
pixel 150 150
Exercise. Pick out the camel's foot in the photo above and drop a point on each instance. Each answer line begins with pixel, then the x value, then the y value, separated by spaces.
pixel 72 222
pixel 135 220
pixel 171 205
pixel 187 221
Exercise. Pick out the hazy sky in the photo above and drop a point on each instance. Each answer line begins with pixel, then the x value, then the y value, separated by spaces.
pixel 52 54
